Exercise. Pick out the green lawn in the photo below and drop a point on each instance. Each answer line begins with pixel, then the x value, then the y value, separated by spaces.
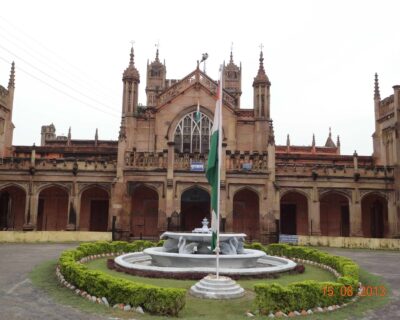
pixel 43 276
pixel 311 272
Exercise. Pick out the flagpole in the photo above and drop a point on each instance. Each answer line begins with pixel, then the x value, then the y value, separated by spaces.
pixel 217 249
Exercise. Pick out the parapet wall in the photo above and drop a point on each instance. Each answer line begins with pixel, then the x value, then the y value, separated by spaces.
pixel 349 242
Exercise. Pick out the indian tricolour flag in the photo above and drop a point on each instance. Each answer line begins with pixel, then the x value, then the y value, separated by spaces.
pixel 214 166
pixel 197 115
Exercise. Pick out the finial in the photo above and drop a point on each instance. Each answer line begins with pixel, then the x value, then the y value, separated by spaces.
pixel 69 133
pixel 313 140
pixel 338 141
pixel 198 64
pixel 377 94
pixel 11 81
pixel 231 60
pixel 131 61
pixel 287 140
pixel 96 135
pixel 158 47
pixel 261 68
pixel 355 153
pixel 330 132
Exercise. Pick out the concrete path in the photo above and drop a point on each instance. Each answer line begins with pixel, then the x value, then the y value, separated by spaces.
pixel 382 263
pixel 20 300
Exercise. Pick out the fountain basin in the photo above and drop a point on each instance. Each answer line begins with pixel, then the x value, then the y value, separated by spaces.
pixel 160 258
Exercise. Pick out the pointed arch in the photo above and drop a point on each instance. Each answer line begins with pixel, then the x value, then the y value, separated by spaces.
pixel 12 207
pixel 374 215
pixel 53 206
pixel 94 205
pixel 246 212
pixel 335 213
pixel 195 206
pixel 294 212
pixel 144 212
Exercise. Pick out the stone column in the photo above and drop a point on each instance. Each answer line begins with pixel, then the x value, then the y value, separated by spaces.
pixel 169 194
pixel 314 205
pixel 33 207
pixel 72 214
pixel 392 216
pixel 28 226
pixel 355 214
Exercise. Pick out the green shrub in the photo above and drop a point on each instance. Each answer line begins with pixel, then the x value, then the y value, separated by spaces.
pixel 163 301
pixel 307 294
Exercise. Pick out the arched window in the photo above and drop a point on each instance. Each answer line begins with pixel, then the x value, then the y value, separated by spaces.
pixel 193 135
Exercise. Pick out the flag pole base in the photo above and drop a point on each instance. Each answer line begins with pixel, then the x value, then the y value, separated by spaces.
pixel 211 287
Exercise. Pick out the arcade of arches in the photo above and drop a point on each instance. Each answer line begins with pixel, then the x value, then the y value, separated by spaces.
pixel 334 212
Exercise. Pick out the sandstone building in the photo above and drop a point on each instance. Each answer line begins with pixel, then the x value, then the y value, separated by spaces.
pixel 152 178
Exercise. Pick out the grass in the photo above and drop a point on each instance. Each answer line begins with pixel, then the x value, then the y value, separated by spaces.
pixel 43 276
pixel 311 272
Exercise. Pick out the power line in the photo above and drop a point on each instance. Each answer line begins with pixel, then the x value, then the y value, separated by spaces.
pixel 60 90
pixel 57 68
pixel 55 54
pixel 55 79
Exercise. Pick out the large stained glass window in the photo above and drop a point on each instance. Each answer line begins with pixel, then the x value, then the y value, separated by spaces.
pixel 193 135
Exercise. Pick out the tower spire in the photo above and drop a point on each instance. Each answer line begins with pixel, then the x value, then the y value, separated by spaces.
pixel 132 58
pixel 313 140
pixel 287 140
pixel 377 94
pixel 11 81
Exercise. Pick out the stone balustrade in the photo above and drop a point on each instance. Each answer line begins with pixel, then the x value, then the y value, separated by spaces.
pixel 334 170
pixel 67 164
pixel 147 160
pixel 246 162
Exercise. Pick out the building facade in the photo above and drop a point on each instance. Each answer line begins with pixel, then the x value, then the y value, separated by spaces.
pixel 152 178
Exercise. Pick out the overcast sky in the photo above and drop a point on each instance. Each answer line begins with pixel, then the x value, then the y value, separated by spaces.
pixel 320 56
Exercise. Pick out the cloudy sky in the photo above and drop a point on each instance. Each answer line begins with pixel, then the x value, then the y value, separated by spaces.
pixel 320 56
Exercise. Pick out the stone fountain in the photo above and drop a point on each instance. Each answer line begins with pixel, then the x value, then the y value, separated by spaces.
pixel 188 253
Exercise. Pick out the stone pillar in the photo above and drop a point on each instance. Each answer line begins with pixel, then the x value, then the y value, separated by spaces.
pixel 34 203
pixel 268 214
pixel 72 214
pixel 392 217
pixel 28 226
pixel 169 194
pixel 314 205
pixel 355 214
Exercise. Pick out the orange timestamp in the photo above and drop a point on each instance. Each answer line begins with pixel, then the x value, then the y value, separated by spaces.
pixel 347 291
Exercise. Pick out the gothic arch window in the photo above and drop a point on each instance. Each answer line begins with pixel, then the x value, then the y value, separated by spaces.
pixel 192 135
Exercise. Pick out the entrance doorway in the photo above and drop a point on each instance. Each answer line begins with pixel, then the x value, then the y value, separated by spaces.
pixel 195 206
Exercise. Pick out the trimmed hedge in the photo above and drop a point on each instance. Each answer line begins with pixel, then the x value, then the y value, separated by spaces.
pixel 307 294
pixel 163 301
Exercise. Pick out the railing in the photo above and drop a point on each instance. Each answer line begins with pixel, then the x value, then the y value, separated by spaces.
pixel 146 160
pixel 184 161
pixel 246 162
pixel 349 171
pixel 66 164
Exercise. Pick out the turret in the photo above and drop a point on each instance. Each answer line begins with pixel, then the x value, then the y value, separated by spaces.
pixel 233 80
pixel 156 76
pixel 131 80
pixel 261 92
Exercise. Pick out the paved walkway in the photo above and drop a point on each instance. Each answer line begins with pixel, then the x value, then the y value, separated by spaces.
pixel 384 264
pixel 20 300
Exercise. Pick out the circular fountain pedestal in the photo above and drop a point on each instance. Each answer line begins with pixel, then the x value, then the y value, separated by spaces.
pixel 211 287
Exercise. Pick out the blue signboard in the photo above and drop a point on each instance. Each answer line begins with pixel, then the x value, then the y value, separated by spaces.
pixel 197 166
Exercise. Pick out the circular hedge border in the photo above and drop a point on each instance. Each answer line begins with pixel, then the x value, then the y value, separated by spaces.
pixel 272 299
